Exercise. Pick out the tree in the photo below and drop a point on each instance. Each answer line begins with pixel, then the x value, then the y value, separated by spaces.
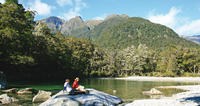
pixel 136 61
pixel 12 1
pixel 168 61
pixel 16 25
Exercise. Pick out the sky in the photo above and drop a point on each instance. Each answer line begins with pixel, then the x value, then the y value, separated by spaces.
pixel 183 16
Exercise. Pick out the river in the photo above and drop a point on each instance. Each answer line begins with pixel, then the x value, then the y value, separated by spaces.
pixel 126 90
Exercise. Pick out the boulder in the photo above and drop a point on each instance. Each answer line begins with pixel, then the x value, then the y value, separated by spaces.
pixel 94 98
pixel 27 91
pixel 5 99
pixel 41 96
pixel 13 90
pixel 153 91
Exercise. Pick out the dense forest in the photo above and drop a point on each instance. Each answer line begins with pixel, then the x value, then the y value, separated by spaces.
pixel 135 31
pixel 30 52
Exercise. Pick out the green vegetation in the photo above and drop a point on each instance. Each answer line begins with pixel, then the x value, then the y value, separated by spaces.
pixel 135 31
pixel 34 54
pixel 131 46
pixel 98 30
pixel 135 46
pixel 173 61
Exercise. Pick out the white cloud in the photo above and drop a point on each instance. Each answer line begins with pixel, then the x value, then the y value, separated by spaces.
pixel 168 19
pixel 102 17
pixel 75 11
pixel 71 14
pixel 173 19
pixel 40 7
pixel 64 2
pixel 2 1
pixel 191 28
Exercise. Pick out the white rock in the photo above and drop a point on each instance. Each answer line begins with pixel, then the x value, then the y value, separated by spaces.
pixel 160 102
pixel 94 98
pixel 5 99
pixel 153 91
pixel 13 90
pixel 26 91
pixel 41 96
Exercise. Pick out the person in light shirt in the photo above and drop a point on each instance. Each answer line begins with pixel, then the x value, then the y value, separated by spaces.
pixel 67 87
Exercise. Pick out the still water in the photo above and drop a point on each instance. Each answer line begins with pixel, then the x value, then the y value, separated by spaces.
pixel 126 90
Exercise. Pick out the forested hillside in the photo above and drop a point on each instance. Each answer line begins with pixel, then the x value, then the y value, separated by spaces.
pixel 110 21
pixel 135 31
pixel 29 53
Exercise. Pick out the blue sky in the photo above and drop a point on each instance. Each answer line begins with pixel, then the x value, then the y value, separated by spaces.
pixel 180 15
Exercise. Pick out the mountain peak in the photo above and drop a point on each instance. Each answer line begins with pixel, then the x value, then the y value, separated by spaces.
pixel 111 16
pixel 54 20
pixel 124 16
pixel 77 18
pixel 93 23
pixel 116 15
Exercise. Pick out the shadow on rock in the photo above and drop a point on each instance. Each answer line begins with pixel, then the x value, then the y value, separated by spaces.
pixel 194 99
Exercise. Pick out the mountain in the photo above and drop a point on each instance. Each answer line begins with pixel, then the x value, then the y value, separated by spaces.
pixel 77 27
pixel 119 32
pixel 195 38
pixel 74 27
pixel 54 23
pixel 93 23
pixel 109 21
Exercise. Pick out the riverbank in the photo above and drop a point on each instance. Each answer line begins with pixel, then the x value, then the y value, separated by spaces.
pixel 161 79
pixel 188 98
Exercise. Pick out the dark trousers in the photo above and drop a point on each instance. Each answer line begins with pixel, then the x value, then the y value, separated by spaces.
pixel 76 92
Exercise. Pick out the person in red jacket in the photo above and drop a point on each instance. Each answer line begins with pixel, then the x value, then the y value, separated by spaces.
pixel 75 84
pixel 78 89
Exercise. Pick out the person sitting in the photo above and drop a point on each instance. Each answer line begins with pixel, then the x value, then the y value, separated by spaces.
pixel 67 87
pixel 75 84
pixel 78 88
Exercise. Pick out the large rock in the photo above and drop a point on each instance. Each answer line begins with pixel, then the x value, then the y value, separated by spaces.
pixel 2 80
pixel 153 91
pixel 94 98
pixel 5 99
pixel 26 91
pixel 13 90
pixel 41 96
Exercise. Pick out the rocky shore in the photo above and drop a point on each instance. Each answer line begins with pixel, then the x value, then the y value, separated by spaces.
pixel 39 96
pixel 162 79
pixel 189 98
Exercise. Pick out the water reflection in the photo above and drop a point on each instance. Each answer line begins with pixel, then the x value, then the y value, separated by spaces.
pixel 128 90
